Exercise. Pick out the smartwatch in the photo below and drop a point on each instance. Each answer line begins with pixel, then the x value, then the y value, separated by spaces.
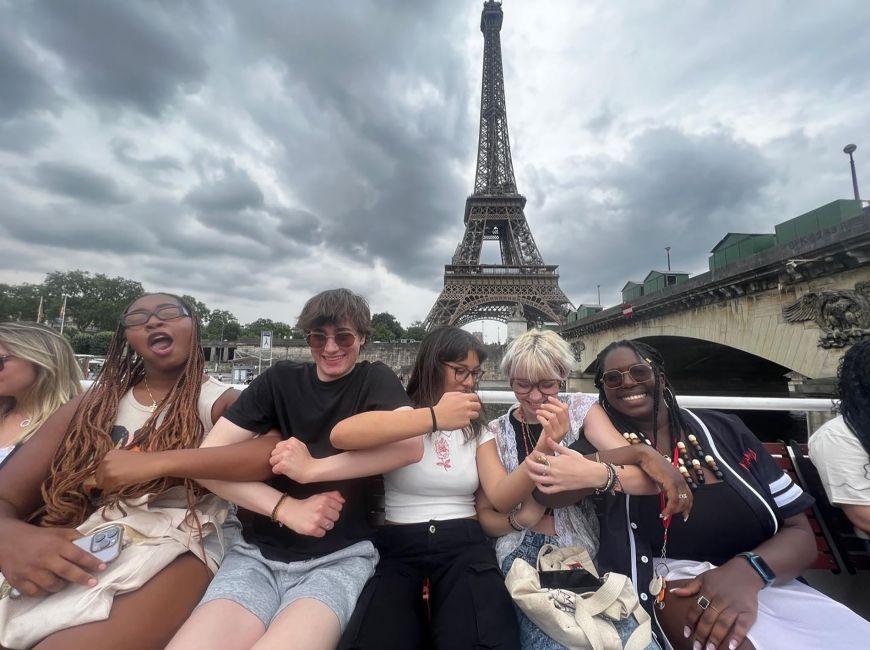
pixel 761 567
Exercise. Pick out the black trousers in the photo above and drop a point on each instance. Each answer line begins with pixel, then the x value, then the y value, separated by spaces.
pixel 470 605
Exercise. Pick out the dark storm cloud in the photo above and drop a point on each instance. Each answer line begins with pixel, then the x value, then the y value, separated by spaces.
pixel 231 191
pixel 21 81
pixel 672 189
pixel 78 182
pixel 124 151
pixel 124 53
pixel 25 135
pixel 299 225
pixel 78 227
pixel 379 108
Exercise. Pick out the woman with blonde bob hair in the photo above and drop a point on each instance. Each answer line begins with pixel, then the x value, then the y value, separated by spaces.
pixel 537 364
pixel 38 375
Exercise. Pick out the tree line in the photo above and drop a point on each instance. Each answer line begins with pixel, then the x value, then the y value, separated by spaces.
pixel 94 301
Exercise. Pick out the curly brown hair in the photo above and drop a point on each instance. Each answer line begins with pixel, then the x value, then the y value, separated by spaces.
pixel 175 424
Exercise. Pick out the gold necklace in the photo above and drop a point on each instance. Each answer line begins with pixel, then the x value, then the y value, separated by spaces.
pixel 153 405
pixel 528 442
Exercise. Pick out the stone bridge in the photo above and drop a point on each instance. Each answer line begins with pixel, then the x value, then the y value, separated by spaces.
pixel 798 306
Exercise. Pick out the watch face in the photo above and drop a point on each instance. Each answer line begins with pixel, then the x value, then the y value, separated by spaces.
pixel 761 567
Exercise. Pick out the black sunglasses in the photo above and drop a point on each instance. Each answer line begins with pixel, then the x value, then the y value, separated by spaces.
pixel 639 372
pixel 317 340
pixel 169 311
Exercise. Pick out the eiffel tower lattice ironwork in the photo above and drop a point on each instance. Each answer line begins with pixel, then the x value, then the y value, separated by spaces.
pixel 494 212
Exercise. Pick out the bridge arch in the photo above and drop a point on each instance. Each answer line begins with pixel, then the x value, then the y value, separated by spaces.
pixel 701 367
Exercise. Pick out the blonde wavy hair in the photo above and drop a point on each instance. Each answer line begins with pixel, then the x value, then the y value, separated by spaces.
pixel 538 354
pixel 58 377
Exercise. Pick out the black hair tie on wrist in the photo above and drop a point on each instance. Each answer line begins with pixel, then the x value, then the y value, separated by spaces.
pixel 434 421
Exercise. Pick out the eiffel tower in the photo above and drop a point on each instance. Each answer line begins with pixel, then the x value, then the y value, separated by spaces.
pixel 494 212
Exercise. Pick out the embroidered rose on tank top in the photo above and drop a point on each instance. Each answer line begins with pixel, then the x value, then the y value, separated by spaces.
pixel 442 451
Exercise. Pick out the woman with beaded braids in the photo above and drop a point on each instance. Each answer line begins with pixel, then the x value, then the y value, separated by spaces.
pixel 840 448
pixel 724 578
pixel 151 394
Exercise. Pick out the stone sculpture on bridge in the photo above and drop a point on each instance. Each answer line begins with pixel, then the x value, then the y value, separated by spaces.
pixel 843 315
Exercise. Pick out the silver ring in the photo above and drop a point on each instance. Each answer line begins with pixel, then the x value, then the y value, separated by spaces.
pixel 682 495
pixel 703 602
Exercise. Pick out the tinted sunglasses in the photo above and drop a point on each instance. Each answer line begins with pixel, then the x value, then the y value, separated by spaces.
pixel 169 311
pixel 545 386
pixel 639 372
pixel 317 340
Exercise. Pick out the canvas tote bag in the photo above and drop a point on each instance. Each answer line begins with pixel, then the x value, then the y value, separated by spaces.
pixel 156 531
pixel 581 620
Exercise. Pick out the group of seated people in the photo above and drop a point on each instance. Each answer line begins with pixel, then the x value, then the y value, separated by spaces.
pixel 688 504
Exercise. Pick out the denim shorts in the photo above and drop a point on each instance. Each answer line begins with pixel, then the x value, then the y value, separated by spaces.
pixel 265 587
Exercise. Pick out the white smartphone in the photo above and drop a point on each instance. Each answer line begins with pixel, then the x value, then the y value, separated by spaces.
pixel 104 544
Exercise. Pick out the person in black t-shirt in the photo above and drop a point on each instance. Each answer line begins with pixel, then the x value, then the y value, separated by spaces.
pixel 302 563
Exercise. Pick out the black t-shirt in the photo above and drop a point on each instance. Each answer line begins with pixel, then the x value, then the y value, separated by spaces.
pixel 291 398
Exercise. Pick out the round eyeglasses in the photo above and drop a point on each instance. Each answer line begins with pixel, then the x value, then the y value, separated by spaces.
pixel 168 311
pixel 544 386
pixel 461 373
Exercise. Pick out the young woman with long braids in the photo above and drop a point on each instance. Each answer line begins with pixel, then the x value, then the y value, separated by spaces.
pixel 38 375
pixel 151 394
pixel 725 577
pixel 840 448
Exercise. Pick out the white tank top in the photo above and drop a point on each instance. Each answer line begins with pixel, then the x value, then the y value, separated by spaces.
pixel 441 486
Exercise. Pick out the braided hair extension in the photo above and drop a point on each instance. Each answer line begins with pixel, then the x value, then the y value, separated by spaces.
pixel 662 387
pixel 89 436
pixel 853 389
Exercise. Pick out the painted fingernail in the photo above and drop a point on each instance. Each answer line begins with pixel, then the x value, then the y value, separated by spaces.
pixel 710 646
pixel 732 644
pixel 92 582
pixel 696 645
pixel 687 631
pixel 685 518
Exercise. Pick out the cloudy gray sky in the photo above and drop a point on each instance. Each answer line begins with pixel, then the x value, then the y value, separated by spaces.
pixel 251 154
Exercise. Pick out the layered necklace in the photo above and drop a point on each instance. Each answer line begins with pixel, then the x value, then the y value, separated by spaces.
pixel 529 441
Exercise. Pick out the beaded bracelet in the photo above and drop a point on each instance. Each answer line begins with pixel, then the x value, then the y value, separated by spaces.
pixel 275 510
pixel 512 520
pixel 611 479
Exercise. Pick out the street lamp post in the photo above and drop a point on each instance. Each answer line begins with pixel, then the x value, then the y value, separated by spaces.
pixel 850 149
pixel 668 251
pixel 220 354
pixel 598 286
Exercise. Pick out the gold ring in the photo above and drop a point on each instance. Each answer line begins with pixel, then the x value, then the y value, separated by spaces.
pixel 542 459
pixel 682 495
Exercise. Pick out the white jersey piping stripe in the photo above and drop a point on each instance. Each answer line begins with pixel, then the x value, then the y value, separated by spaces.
pixel 780 484
pixel 792 494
